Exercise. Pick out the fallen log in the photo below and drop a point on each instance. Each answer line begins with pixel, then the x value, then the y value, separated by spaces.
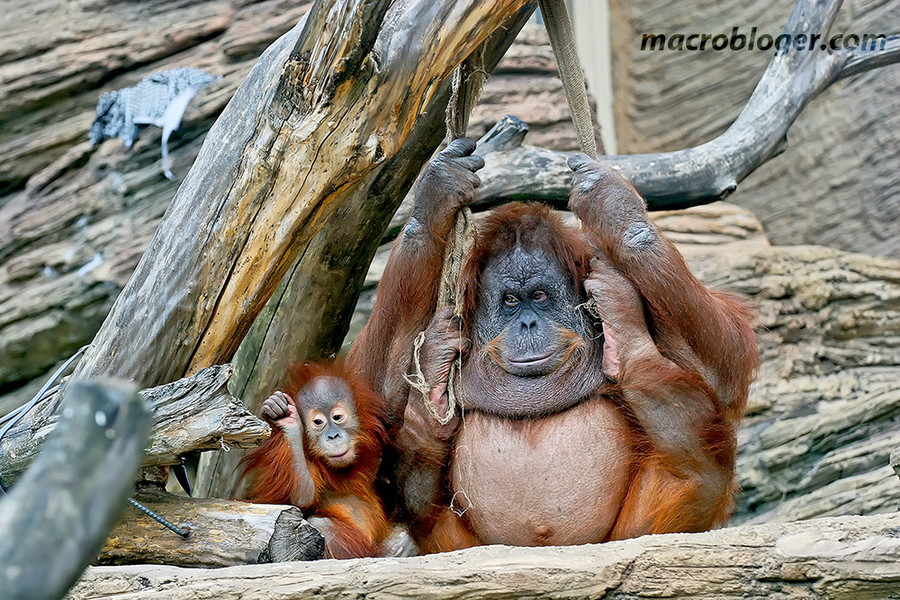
pixel 54 521
pixel 829 559
pixel 195 413
pixel 222 533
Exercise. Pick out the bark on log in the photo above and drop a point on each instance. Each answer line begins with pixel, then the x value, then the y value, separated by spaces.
pixel 295 142
pixel 195 413
pixel 56 518
pixel 309 315
pixel 827 559
pixel 222 534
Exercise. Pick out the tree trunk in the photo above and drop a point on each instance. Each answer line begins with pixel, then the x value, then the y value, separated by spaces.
pixel 847 558
pixel 304 131
pixel 308 316
pixel 222 534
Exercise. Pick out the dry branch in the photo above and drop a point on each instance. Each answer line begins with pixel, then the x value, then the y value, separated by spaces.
pixel 828 559
pixel 710 171
pixel 56 518
pixel 292 146
pixel 222 533
pixel 195 413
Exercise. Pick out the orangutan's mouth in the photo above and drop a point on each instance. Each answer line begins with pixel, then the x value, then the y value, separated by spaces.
pixel 537 361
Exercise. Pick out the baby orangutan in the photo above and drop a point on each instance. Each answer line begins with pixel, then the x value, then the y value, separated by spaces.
pixel 323 456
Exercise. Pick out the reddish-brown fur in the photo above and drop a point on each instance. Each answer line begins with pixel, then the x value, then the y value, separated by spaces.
pixel 534 225
pixel 687 354
pixel 345 496
pixel 667 493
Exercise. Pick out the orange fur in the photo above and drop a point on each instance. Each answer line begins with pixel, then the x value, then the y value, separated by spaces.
pixel 346 496
pixel 448 533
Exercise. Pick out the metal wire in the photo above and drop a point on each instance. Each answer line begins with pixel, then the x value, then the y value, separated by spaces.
pixel 183 532
pixel 9 420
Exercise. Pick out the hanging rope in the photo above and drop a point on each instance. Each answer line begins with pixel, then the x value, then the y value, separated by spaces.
pixel 559 29
pixel 468 79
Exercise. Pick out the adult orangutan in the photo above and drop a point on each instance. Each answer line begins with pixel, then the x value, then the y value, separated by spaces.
pixel 581 423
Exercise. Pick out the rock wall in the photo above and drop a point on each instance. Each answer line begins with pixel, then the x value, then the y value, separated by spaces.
pixel 824 412
pixel 74 220
pixel 838 182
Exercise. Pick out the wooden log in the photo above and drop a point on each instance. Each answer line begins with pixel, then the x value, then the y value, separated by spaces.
pixel 309 315
pixel 828 559
pixel 54 521
pixel 222 533
pixel 198 413
pixel 195 413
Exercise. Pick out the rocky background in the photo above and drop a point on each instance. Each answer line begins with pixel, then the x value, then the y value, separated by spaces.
pixel 74 220
pixel 837 183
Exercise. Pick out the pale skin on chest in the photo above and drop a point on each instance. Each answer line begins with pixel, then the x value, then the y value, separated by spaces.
pixel 559 483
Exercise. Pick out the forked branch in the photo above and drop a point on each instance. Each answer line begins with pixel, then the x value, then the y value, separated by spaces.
pixel 710 171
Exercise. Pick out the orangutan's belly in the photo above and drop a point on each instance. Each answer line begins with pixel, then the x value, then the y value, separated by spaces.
pixel 559 480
